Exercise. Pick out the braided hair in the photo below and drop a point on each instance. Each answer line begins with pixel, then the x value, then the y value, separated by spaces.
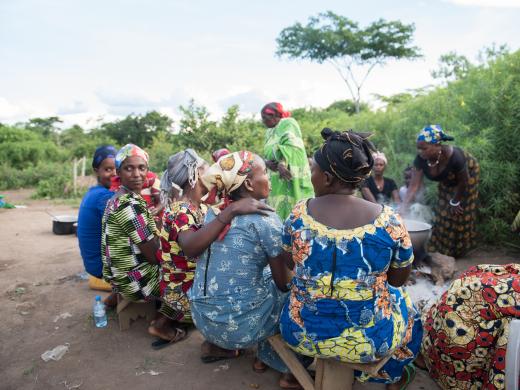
pixel 346 155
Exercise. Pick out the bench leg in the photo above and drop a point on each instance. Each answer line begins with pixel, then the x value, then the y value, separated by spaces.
pixel 333 375
pixel 290 360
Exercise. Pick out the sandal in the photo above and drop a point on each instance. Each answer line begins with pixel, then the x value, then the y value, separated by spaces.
pixel 180 334
pixel 213 353
pixel 410 372
pixel 289 382
pixel 259 366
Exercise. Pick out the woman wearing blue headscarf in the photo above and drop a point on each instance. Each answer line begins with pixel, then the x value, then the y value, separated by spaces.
pixel 457 172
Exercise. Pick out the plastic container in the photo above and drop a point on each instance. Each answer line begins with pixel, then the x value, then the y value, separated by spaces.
pixel 100 314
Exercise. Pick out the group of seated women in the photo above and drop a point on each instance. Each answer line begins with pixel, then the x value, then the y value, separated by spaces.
pixel 328 278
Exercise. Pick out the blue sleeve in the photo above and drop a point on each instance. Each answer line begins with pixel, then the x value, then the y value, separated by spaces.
pixel 269 230
pixel 403 251
pixel 102 200
pixel 287 234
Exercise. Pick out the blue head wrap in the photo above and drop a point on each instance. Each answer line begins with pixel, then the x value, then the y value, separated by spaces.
pixel 433 134
pixel 101 153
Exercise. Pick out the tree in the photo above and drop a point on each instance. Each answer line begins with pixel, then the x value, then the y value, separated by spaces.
pixel 348 106
pixel 452 66
pixel 354 52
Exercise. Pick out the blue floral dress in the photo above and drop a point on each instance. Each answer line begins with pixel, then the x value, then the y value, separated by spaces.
pixel 341 305
pixel 234 301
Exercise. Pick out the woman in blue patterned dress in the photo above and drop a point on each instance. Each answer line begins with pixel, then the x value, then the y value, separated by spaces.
pixel 236 301
pixel 350 257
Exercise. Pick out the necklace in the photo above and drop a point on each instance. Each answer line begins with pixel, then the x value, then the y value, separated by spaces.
pixel 430 164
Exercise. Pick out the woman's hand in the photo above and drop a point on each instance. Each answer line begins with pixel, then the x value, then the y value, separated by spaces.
pixel 242 207
pixel 285 174
pixel 272 165
pixel 456 210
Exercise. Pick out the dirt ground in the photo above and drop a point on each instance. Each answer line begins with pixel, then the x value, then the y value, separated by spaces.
pixel 39 282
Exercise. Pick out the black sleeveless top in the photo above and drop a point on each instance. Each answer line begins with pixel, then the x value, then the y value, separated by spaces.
pixel 385 195
pixel 456 164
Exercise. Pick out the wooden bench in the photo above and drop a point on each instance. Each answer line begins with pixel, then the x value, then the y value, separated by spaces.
pixel 330 374
pixel 128 311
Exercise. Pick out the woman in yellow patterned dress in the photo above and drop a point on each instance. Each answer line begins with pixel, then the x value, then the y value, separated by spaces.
pixel 350 258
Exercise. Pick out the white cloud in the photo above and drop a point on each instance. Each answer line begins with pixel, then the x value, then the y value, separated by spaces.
pixel 487 3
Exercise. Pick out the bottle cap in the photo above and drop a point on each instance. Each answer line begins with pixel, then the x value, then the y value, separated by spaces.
pixel 98 297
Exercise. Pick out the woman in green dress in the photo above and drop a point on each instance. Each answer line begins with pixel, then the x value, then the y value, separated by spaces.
pixel 284 154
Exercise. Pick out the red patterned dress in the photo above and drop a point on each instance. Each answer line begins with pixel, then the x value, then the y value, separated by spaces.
pixel 177 270
pixel 466 331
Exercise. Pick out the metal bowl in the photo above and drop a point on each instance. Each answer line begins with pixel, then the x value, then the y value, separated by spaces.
pixel 419 234
pixel 63 224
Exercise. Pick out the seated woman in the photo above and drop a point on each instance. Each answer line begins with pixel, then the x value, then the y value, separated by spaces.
pixel 91 213
pixel 350 257
pixel 180 183
pixel 235 301
pixel 377 188
pixel 130 239
pixel 466 331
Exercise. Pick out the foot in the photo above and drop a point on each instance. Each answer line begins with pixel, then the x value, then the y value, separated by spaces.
pixel 259 366
pixel 212 353
pixel 420 363
pixel 289 382
pixel 406 379
pixel 169 334
pixel 111 300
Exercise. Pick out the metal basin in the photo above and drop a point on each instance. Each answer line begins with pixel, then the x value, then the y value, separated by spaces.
pixel 419 234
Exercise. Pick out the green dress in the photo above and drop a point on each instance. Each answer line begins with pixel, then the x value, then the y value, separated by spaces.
pixel 284 143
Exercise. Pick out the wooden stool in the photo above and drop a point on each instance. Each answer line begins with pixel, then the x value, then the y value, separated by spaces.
pixel 330 374
pixel 131 310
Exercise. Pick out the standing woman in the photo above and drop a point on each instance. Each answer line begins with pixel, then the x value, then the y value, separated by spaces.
pixel 458 174
pixel 284 154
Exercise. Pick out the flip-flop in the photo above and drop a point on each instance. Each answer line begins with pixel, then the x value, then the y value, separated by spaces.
pixel 257 369
pixel 410 375
pixel 160 343
pixel 211 358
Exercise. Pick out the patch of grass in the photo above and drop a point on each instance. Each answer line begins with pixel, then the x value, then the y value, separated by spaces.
pixel 30 370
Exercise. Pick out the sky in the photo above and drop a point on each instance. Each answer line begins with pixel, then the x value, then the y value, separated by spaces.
pixel 89 61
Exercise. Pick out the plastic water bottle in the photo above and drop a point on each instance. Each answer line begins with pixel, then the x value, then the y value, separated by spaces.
pixel 100 314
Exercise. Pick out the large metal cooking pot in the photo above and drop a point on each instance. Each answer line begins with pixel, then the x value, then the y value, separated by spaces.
pixel 419 234
pixel 63 224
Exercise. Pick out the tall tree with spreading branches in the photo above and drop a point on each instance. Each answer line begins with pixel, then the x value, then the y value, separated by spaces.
pixel 353 51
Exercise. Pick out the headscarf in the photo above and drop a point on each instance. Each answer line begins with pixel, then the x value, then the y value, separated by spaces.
pixel 224 177
pixel 130 150
pixel 102 153
pixel 380 156
pixel 219 153
pixel 275 109
pixel 182 168
pixel 346 155
pixel 433 134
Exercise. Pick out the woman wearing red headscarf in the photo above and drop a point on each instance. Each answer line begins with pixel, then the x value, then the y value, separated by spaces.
pixel 285 156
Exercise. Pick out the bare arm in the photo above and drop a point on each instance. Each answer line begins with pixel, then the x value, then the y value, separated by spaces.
pixel 398 276
pixel 281 274
pixel 415 184
pixel 149 250
pixel 194 243
pixel 395 197
pixel 367 194
pixel 462 187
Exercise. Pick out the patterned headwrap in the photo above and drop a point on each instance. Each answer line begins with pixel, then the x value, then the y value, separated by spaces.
pixel 224 177
pixel 346 155
pixel 380 156
pixel 101 153
pixel 275 109
pixel 219 153
pixel 130 150
pixel 182 168
pixel 433 134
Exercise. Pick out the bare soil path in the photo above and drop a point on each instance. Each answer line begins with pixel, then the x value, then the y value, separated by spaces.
pixel 38 282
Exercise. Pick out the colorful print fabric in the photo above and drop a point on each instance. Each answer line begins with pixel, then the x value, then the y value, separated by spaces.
pixel 341 305
pixel 177 270
pixel 466 331
pixel 126 224
pixel 454 235
pixel 284 143
pixel 234 301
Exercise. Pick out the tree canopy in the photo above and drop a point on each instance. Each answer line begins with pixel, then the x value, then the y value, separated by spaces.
pixel 352 50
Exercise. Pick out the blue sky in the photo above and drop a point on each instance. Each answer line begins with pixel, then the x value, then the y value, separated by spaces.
pixel 93 60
